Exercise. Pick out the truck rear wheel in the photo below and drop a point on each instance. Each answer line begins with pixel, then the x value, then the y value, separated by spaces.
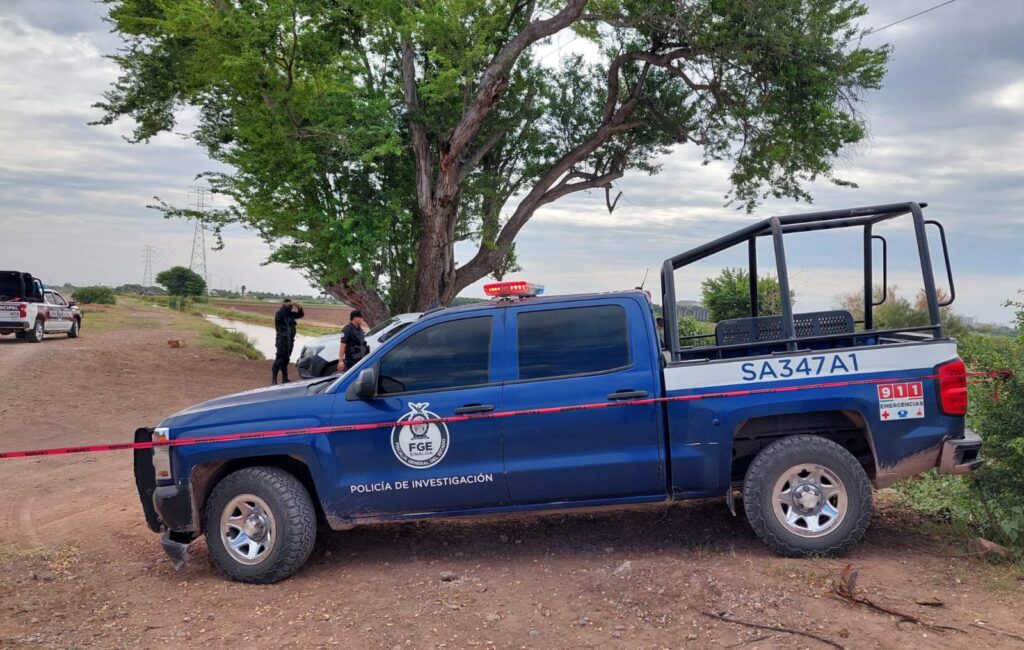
pixel 260 525
pixel 38 331
pixel 805 495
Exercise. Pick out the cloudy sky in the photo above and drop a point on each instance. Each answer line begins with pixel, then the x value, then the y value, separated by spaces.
pixel 948 128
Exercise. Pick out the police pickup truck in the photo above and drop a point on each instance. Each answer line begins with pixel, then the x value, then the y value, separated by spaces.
pixel 30 311
pixel 531 403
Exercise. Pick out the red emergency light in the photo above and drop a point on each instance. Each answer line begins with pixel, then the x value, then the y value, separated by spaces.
pixel 513 289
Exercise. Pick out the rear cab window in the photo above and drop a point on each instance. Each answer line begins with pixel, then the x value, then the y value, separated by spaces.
pixel 564 342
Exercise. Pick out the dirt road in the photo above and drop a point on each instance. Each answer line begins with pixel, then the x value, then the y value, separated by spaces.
pixel 78 567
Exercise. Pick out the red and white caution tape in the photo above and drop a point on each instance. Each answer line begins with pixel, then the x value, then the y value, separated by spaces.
pixel 281 433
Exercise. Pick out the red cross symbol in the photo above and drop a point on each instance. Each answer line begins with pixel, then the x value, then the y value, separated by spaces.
pixel 885 414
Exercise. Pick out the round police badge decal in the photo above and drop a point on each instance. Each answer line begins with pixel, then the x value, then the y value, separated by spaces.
pixel 417 443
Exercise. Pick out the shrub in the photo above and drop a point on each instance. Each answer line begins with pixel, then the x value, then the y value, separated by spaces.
pixel 95 296
pixel 990 501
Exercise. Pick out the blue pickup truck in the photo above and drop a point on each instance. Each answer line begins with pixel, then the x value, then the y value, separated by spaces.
pixel 530 403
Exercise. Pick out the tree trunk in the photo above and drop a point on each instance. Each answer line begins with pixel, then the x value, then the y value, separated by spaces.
pixel 369 302
pixel 435 271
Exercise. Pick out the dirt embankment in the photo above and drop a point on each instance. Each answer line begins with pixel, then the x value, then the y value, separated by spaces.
pixel 324 315
pixel 78 567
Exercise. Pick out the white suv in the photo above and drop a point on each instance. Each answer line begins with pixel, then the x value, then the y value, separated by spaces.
pixel 319 357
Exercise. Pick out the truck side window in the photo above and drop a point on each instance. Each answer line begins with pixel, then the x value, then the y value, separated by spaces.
pixel 49 299
pixel 574 341
pixel 448 355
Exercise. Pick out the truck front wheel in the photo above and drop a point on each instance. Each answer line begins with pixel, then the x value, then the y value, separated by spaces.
pixel 260 525
pixel 806 495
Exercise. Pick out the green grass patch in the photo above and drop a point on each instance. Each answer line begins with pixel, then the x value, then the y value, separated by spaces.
pixel 107 318
pixel 234 343
pixel 191 320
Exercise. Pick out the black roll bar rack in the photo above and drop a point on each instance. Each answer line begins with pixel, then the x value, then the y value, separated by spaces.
pixel 776 227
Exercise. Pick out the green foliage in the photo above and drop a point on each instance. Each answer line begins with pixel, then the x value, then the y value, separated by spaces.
pixel 991 500
pixel 898 311
pixel 727 295
pixel 95 296
pixel 690 326
pixel 181 281
pixel 303 103
pixel 139 290
pixel 234 343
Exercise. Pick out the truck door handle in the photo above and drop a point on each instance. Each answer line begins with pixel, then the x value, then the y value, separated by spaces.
pixel 474 408
pixel 627 394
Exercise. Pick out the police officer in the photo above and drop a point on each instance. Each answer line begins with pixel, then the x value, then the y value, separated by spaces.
pixel 353 342
pixel 284 326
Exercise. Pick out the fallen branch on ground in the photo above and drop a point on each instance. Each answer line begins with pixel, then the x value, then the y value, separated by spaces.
pixel 773 628
pixel 995 630
pixel 847 590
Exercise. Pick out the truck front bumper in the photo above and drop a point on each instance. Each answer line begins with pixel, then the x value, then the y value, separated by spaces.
pixel 961 455
pixel 173 503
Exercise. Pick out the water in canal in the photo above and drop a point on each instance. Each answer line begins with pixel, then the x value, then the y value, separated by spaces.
pixel 261 336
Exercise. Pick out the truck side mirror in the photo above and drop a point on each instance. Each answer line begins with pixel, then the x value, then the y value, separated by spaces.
pixel 365 385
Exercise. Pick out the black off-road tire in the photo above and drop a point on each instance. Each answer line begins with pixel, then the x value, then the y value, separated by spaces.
pixel 19 335
pixel 294 517
pixel 786 453
pixel 37 333
pixel 73 332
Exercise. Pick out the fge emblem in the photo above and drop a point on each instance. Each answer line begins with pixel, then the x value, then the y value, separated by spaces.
pixel 416 443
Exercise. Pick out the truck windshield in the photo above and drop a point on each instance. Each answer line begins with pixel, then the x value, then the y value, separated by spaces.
pixel 383 326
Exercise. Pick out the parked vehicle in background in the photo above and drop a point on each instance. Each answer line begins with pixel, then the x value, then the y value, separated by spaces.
pixel 30 311
pixel 319 357
pixel 533 403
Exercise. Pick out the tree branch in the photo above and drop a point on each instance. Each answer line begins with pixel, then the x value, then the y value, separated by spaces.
pixel 494 80
pixel 420 146
pixel 478 155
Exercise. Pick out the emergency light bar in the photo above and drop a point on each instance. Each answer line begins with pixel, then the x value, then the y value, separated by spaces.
pixel 513 289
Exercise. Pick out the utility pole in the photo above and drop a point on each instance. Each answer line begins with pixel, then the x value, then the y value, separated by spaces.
pixel 197 262
pixel 147 260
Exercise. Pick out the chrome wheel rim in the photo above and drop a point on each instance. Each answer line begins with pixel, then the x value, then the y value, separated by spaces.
pixel 247 529
pixel 39 329
pixel 809 500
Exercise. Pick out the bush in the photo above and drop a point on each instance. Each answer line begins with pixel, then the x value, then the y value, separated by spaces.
pixel 95 296
pixel 989 502
pixel 181 303
pixel 690 326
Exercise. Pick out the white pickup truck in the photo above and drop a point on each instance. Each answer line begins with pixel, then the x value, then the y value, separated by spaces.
pixel 30 311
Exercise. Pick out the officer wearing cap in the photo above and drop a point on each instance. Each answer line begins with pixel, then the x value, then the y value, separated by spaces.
pixel 284 341
pixel 353 342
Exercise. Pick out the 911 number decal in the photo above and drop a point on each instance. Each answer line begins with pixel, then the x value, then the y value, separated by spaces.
pixel 811 366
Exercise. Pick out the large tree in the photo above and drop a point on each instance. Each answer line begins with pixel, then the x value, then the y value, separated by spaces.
pixel 366 138
pixel 181 281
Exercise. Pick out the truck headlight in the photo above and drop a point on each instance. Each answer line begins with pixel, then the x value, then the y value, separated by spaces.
pixel 162 453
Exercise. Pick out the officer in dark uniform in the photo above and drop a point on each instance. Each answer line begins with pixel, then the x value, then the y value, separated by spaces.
pixel 284 325
pixel 353 342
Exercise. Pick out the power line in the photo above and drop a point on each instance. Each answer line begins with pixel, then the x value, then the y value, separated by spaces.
pixel 920 13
